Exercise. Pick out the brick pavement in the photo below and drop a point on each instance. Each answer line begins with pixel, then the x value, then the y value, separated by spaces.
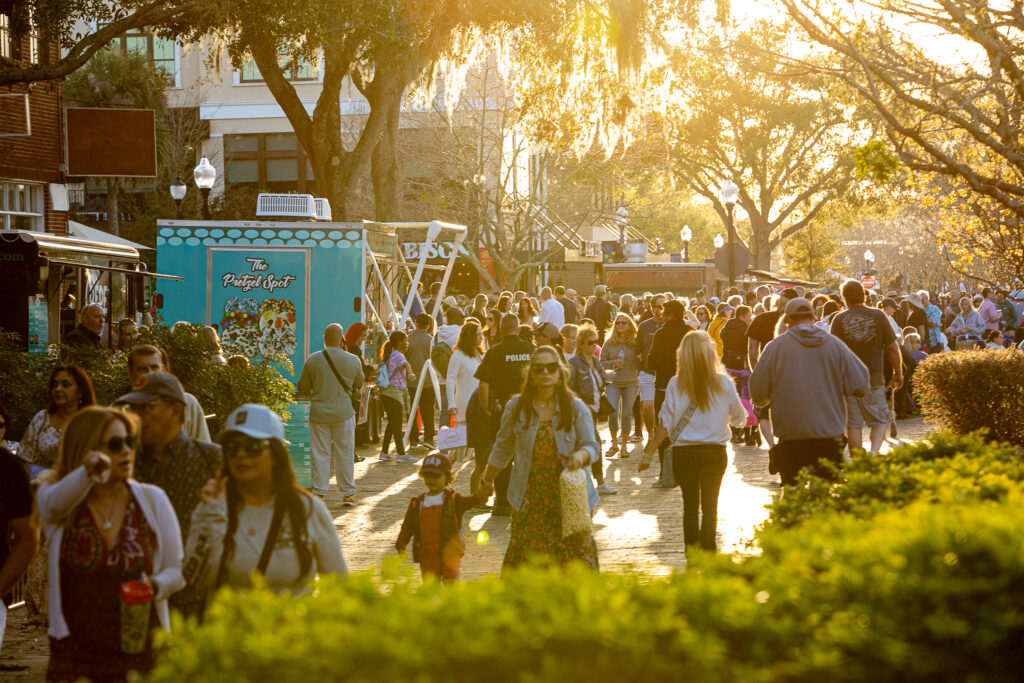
pixel 640 527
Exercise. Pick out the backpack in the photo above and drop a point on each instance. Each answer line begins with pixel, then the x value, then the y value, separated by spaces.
pixel 440 355
pixel 383 378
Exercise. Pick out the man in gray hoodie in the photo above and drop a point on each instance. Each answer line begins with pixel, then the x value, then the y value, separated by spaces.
pixel 805 375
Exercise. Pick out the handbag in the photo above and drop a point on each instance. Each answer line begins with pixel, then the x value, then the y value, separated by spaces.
pixel 604 407
pixel 352 396
pixel 668 475
pixel 450 438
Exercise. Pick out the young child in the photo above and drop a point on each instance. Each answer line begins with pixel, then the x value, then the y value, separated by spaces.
pixel 433 521
pixel 751 435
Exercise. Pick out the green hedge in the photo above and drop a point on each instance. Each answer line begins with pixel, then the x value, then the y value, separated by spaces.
pixel 970 390
pixel 945 469
pixel 911 568
pixel 219 389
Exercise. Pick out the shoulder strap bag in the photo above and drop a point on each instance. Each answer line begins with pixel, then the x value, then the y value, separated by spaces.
pixel 344 387
pixel 668 475
pixel 684 420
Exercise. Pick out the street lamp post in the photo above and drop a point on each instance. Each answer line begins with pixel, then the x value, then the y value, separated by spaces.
pixel 205 175
pixel 178 190
pixel 869 260
pixel 622 220
pixel 686 235
pixel 729 194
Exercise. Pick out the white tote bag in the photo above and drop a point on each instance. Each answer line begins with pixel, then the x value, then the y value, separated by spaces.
pixel 449 438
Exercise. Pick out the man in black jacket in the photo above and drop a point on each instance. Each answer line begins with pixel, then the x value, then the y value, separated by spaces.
pixel 87 333
pixel 734 339
pixel 661 361
pixel 600 311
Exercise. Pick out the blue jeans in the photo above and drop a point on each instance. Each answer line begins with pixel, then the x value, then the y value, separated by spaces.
pixel 621 419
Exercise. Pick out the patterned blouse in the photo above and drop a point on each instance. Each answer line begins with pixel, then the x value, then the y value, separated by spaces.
pixel 41 443
pixel 397 379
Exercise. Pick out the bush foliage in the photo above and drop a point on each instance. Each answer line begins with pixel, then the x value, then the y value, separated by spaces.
pixel 219 388
pixel 909 568
pixel 970 390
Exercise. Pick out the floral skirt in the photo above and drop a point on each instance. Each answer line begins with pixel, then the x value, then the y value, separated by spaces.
pixel 537 524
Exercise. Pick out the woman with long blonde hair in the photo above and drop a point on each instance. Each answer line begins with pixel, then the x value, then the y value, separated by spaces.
pixel 700 404
pixel 620 362
pixel 104 529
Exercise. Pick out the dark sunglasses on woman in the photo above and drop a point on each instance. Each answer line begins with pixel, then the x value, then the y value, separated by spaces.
pixel 116 444
pixel 538 368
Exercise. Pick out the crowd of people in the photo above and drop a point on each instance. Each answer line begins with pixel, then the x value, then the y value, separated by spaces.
pixel 120 514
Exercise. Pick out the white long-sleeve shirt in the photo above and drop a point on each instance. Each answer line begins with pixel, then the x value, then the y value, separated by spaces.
pixel 551 311
pixel 461 382
pixel 706 426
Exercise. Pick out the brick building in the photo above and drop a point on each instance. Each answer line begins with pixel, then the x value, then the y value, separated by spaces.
pixel 32 147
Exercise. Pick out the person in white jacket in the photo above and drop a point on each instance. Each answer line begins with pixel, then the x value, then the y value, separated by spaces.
pixel 700 404
pixel 104 530
pixel 449 335
pixel 461 380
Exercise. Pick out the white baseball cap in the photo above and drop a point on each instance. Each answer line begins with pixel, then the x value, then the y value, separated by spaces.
pixel 257 421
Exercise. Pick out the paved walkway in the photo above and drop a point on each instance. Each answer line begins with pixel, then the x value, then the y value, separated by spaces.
pixel 639 527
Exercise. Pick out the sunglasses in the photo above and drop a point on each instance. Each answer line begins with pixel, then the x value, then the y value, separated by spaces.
pixel 253 448
pixel 3 425
pixel 116 444
pixel 538 368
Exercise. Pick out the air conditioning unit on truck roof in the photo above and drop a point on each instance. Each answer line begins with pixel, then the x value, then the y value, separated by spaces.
pixel 286 205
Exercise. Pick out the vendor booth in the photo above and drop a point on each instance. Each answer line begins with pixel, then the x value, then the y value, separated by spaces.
pixel 47 279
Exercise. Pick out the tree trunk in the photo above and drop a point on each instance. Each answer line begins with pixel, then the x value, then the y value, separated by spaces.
pixel 384 169
pixel 760 247
pixel 113 192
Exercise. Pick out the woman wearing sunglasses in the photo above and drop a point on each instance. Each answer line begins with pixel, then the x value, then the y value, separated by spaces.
pixel 546 429
pixel 104 529
pixel 586 380
pixel 255 517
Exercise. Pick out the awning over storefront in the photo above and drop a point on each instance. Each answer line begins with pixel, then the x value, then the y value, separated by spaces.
pixel 96 235
pixel 780 279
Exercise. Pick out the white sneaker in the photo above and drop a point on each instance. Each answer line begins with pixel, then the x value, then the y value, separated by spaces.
pixel 384 457
pixel 405 457
pixel 429 446
pixel 606 490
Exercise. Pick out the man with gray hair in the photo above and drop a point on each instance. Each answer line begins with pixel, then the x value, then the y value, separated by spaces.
pixel 88 331
pixel 600 311
pixel 329 379
pixel 551 311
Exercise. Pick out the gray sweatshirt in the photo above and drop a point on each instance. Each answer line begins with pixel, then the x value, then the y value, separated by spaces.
pixel 627 375
pixel 805 375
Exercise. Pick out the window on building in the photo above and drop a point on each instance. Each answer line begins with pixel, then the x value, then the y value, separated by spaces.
pixel 5 36
pixel 271 161
pixel 296 69
pixel 21 206
pixel 158 51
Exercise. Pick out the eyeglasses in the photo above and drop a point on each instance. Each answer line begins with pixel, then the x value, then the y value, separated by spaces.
pixel 253 448
pixel 538 368
pixel 116 444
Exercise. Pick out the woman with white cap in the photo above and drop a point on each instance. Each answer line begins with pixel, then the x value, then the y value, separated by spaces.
pixel 254 517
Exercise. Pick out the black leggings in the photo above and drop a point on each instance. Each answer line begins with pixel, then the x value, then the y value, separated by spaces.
pixel 393 410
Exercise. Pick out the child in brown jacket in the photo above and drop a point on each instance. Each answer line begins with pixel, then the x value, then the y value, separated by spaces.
pixel 433 521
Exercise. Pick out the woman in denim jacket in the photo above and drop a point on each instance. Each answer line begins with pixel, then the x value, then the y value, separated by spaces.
pixel 543 431
pixel 586 380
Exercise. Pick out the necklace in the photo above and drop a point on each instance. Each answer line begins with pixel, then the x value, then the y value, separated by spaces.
pixel 106 525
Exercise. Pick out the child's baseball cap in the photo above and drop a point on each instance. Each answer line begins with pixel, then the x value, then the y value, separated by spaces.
pixel 436 462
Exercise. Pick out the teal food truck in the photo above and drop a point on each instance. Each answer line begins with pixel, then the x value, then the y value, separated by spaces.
pixel 270 288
